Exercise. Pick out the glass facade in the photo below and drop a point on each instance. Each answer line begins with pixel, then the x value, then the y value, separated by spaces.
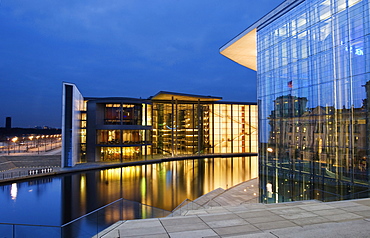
pixel 181 128
pixel 117 154
pixel 106 137
pixel 234 128
pixel 83 125
pixel 313 88
pixel 124 114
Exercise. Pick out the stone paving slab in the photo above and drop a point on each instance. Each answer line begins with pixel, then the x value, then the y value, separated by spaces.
pixel 192 234
pixel 350 218
pixel 301 219
pixel 358 229
pixel 243 193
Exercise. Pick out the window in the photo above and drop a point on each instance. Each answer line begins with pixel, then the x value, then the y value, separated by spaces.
pixel 125 114
pixel 112 114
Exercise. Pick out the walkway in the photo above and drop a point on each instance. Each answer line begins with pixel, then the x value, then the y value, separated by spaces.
pixel 349 218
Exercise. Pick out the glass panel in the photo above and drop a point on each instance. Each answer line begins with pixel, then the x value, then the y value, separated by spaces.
pixel 6 230
pixel 37 231
pixel 313 103
pixel 131 114
pixel 131 153
pixel 112 114
pixel 108 137
pixel 133 136
pixel 110 154
pixel 149 115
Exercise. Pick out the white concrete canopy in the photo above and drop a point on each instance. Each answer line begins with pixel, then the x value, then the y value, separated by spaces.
pixel 244 50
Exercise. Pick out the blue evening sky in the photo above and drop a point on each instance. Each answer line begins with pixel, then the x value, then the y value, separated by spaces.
pixel 128 48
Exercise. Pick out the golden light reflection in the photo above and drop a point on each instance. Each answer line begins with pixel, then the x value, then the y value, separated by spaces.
pixel 83 189
pixel 143 189
pixel 168 184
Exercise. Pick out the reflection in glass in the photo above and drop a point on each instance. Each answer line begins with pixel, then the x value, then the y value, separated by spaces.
pixel 313 103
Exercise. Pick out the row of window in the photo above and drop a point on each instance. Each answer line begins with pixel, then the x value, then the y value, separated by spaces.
pixel 111 137
pixel 127 114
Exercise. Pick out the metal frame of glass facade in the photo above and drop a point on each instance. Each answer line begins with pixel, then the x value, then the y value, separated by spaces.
pixel 313 88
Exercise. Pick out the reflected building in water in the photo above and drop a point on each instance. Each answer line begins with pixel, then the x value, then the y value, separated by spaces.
pixel 119 129
pixel 312 62
pixel 148 188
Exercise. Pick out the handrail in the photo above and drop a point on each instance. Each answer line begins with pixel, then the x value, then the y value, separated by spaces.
pixel 17 224
pixel 181 204
pixel 156 212
pixel 96 210
pixel 109 204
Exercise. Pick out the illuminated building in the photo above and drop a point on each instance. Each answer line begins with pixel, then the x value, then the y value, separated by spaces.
pixel 312 61
pixel 119 129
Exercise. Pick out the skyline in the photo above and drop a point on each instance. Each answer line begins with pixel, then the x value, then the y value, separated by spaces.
pixel 127 49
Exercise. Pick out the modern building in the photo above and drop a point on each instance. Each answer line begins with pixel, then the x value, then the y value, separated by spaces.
pixel 120 129
pixel 8 122
pixel 312 59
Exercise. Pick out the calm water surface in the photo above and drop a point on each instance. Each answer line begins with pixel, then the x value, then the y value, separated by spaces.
pixel 60 199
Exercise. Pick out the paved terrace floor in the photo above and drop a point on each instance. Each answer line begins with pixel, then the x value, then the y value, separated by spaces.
pixel 234 213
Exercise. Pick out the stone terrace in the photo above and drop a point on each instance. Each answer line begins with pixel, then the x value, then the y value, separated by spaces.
pixel 235 218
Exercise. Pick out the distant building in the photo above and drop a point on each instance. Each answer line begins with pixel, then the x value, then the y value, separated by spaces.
pixel 8 122
pixel 123 129
pixel 313 72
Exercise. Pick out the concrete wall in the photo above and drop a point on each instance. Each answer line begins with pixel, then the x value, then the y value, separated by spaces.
pixel 71 116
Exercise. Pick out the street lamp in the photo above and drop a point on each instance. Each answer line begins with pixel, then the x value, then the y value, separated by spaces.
pixel 44 141
pixel 14 141
pixel 38 148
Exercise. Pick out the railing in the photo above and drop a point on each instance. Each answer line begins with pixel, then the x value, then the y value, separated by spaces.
pixel 94 224
pixel 11 175
pixel 24 174
pixel 185 206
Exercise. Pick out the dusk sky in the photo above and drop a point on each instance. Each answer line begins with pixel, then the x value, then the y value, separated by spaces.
pixel 128 48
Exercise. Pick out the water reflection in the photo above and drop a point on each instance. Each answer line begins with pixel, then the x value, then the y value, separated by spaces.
pixel 61 199
pixel 14 191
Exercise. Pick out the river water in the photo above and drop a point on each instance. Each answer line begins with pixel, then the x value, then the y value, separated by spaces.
pixel 60 199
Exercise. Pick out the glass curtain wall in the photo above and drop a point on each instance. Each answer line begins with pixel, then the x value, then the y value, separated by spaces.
pixel 83 126
pixel 177 128
pixel 125 137
pixel 126 114
pixel 201 128
pixel 234 128
pixel 313 88
pixel 123 143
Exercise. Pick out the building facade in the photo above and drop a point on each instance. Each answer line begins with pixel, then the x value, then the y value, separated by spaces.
pixel 118 129
pixel 312 61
